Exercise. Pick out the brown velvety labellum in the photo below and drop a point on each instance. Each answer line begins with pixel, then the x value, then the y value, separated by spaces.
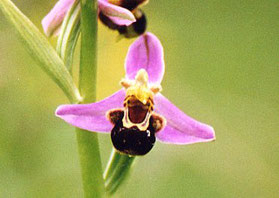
pixel 132 141
pixel 137 113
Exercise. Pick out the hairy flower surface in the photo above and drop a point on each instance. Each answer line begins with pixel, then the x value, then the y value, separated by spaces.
pixel 139 114
pixel 53 20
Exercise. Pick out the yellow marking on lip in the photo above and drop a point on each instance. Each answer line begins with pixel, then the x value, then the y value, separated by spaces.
pixel 139 87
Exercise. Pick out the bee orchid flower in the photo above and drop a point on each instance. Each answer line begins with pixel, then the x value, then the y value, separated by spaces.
pixel 138 114
pixel 120 13
pixel 53 20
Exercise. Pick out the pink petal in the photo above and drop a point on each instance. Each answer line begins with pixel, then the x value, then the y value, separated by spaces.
pixel 147 53
pixel 119 15
pixel 52 21
pixel 180 129
pixel 91 117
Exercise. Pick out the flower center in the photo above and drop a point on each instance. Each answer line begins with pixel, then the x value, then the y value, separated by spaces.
pixel 135 125
pixel 138 103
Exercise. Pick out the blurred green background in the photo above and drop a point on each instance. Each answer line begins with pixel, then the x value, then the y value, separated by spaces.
pixel 221 68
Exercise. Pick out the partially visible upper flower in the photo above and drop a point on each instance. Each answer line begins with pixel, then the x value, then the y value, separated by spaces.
pixel 136 28
pixel 53 20
pixel 138 114
pixel 121 13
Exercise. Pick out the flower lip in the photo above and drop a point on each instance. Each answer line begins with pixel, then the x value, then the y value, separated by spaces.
pixel 139 101
pixel 132 141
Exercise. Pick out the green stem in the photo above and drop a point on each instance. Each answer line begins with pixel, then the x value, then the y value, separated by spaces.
pixel 90 159
pixel 93 184
pixel 88 57
pixel 118 169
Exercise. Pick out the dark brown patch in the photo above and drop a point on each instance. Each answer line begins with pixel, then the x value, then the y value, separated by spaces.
pixel 137 112
pixel 115 115
pixel 132 141
pixel 157 121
